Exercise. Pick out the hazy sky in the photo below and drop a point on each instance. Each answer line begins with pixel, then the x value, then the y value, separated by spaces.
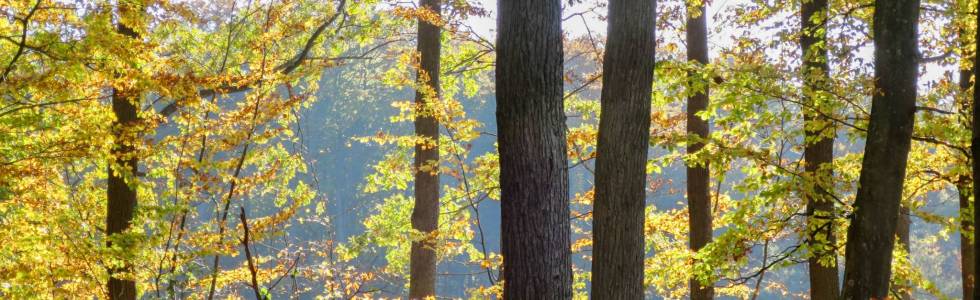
pixel 575 26
pixel 579 25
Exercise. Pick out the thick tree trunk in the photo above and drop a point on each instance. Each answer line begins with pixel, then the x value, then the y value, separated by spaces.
pixel 819 154
pixel 531 142
pixel 122 196
pixel 698 195
pixel 425 215
pixel 624 136
pixel 871 236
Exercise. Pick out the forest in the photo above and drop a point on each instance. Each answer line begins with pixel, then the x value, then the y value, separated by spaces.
pixel 488 149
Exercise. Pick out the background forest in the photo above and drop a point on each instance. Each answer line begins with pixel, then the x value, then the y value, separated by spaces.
pixel 342 149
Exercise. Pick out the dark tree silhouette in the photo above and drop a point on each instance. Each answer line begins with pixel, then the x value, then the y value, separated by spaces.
pixel 975 152
pixel 871 236
pixel 534 211
pixel 819 154
pixel 123 163
pixel 698 177
pixel 624 136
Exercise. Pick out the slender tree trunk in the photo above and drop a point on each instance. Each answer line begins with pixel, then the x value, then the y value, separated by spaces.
pixel 967 249
pixel 624 136
pixel 120 194
pixel 698 195
pixel 967 254
pixel 532 146
pixel 425 215
pixel 975 152
pixel 871 236
pixel 819 154
pixel 905 239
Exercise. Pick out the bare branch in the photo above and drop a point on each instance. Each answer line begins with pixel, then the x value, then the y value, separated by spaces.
pixel 248 256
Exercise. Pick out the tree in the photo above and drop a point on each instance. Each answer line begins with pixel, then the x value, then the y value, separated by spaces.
pixel 425 214
pixel 967 249
pixel 967 253
pixel 624 136
pixel 871 236
pixel 975 151
pixel 818 153
pixel 698 177
pixel 534 204
pixel 122 165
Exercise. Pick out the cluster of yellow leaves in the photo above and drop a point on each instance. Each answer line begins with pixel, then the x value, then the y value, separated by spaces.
pixel 218 99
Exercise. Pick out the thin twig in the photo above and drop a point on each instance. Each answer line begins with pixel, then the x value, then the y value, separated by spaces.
pixel 765 257
pixel 234 182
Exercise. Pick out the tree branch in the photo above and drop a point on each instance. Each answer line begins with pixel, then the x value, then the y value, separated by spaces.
pixel 248 256
pixel 23 42
pixel 284 68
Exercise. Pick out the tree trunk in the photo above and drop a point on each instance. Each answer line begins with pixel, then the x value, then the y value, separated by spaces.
pixel 967 254
pixel 535 240
pixel 871 236
pixel 975 152
pixel 819 154
pixel 698 196
pixel 122 196
pixel 425 215
pixel 624 136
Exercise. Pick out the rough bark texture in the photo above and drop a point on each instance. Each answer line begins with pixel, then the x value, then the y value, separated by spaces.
pixel 967 254
pixel 698 195
pixel 818 154
pixel 122 196
pixel 624 135
pixel 425 215
pixel 535 240
pixel 871 236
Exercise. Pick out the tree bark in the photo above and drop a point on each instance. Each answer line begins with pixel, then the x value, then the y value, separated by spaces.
pixel 975 152
pixel 698 195
pixel 967 254
pixel 819 154
pixel 425 215
pixel 871 235
pixel 535 240
pixel 121 196
pixel 624 136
